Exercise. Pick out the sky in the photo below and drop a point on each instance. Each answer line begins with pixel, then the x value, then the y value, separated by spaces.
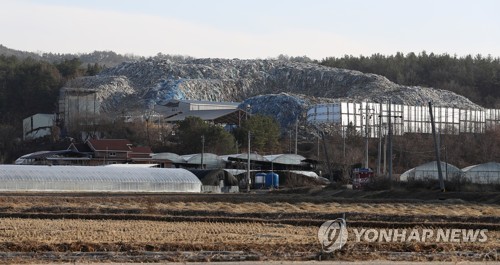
pixel 252 28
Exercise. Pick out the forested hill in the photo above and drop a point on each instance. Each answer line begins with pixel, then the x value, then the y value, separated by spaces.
pixel 475 77
pixel 102 58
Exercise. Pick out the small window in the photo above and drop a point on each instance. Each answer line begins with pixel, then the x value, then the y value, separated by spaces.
pixel 112 154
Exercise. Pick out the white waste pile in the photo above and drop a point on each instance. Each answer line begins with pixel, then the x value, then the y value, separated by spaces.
pixel 148 82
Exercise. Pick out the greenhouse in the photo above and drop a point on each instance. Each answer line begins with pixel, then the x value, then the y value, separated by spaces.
pixel 96 179
pixel 487 173
pixel 174 158
pixel 210 161
pixel 430 171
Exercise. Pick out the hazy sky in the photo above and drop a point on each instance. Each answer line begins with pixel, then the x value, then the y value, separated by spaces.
pixel 252 28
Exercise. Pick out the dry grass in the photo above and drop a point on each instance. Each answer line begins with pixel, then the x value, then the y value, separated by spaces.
pixel 150 232
pixel 18 204
pixel 270 238
pixel 380 208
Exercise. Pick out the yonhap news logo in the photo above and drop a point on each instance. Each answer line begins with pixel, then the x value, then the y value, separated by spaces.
pixel 333 235
pixel 423 235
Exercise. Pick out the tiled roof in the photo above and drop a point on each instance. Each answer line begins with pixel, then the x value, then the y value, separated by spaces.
pixel 142 149
pixel 110 145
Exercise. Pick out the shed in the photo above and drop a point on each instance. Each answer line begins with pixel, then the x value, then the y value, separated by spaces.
pixel 96 179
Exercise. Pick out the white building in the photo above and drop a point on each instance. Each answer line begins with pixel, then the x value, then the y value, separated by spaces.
pixel 38 125
pixel 174 106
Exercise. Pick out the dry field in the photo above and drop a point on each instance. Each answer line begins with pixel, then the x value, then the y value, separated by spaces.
pixel 179 227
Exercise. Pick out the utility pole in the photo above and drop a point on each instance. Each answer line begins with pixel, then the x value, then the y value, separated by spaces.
pixel 436 149
pixel 366 135
pixel 385 154
pixel 248 154
pixel 388 141
pixel 343 139
pixel 326 155
pixel 389 156
pixel 202 150
pixel 366 118
pixel 248 163
pixel 296 132
pixel 379 158
pixel 317 156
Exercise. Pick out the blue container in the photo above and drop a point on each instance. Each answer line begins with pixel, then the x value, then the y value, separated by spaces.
pixel 272 180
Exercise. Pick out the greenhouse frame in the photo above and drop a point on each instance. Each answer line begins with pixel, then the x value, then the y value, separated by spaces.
pixel 96 179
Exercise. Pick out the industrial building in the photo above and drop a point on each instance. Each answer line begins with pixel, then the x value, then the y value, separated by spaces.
pixel 96 179
pixel 371 119
pixel 78 106
pixel 174 107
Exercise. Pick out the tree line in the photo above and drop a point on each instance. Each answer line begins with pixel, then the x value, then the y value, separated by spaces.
pixel 475 77
pixel 29 86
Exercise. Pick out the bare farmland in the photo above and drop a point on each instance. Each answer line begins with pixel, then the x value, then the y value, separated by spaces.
pixel 138 227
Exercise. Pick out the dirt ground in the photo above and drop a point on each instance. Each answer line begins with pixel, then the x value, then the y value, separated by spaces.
pixel 263 226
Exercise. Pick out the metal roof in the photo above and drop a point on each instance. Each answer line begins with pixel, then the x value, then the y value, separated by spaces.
pixel 236 104
pixel 221 116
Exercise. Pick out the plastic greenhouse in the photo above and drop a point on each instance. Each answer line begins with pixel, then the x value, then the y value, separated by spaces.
pixel 487 173
pixel 96 179
pixel 210 161
pixel 430 171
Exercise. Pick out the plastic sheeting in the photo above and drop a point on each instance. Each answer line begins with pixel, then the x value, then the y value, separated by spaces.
pixel 430 171
pixel 96 179
pixel 487 173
